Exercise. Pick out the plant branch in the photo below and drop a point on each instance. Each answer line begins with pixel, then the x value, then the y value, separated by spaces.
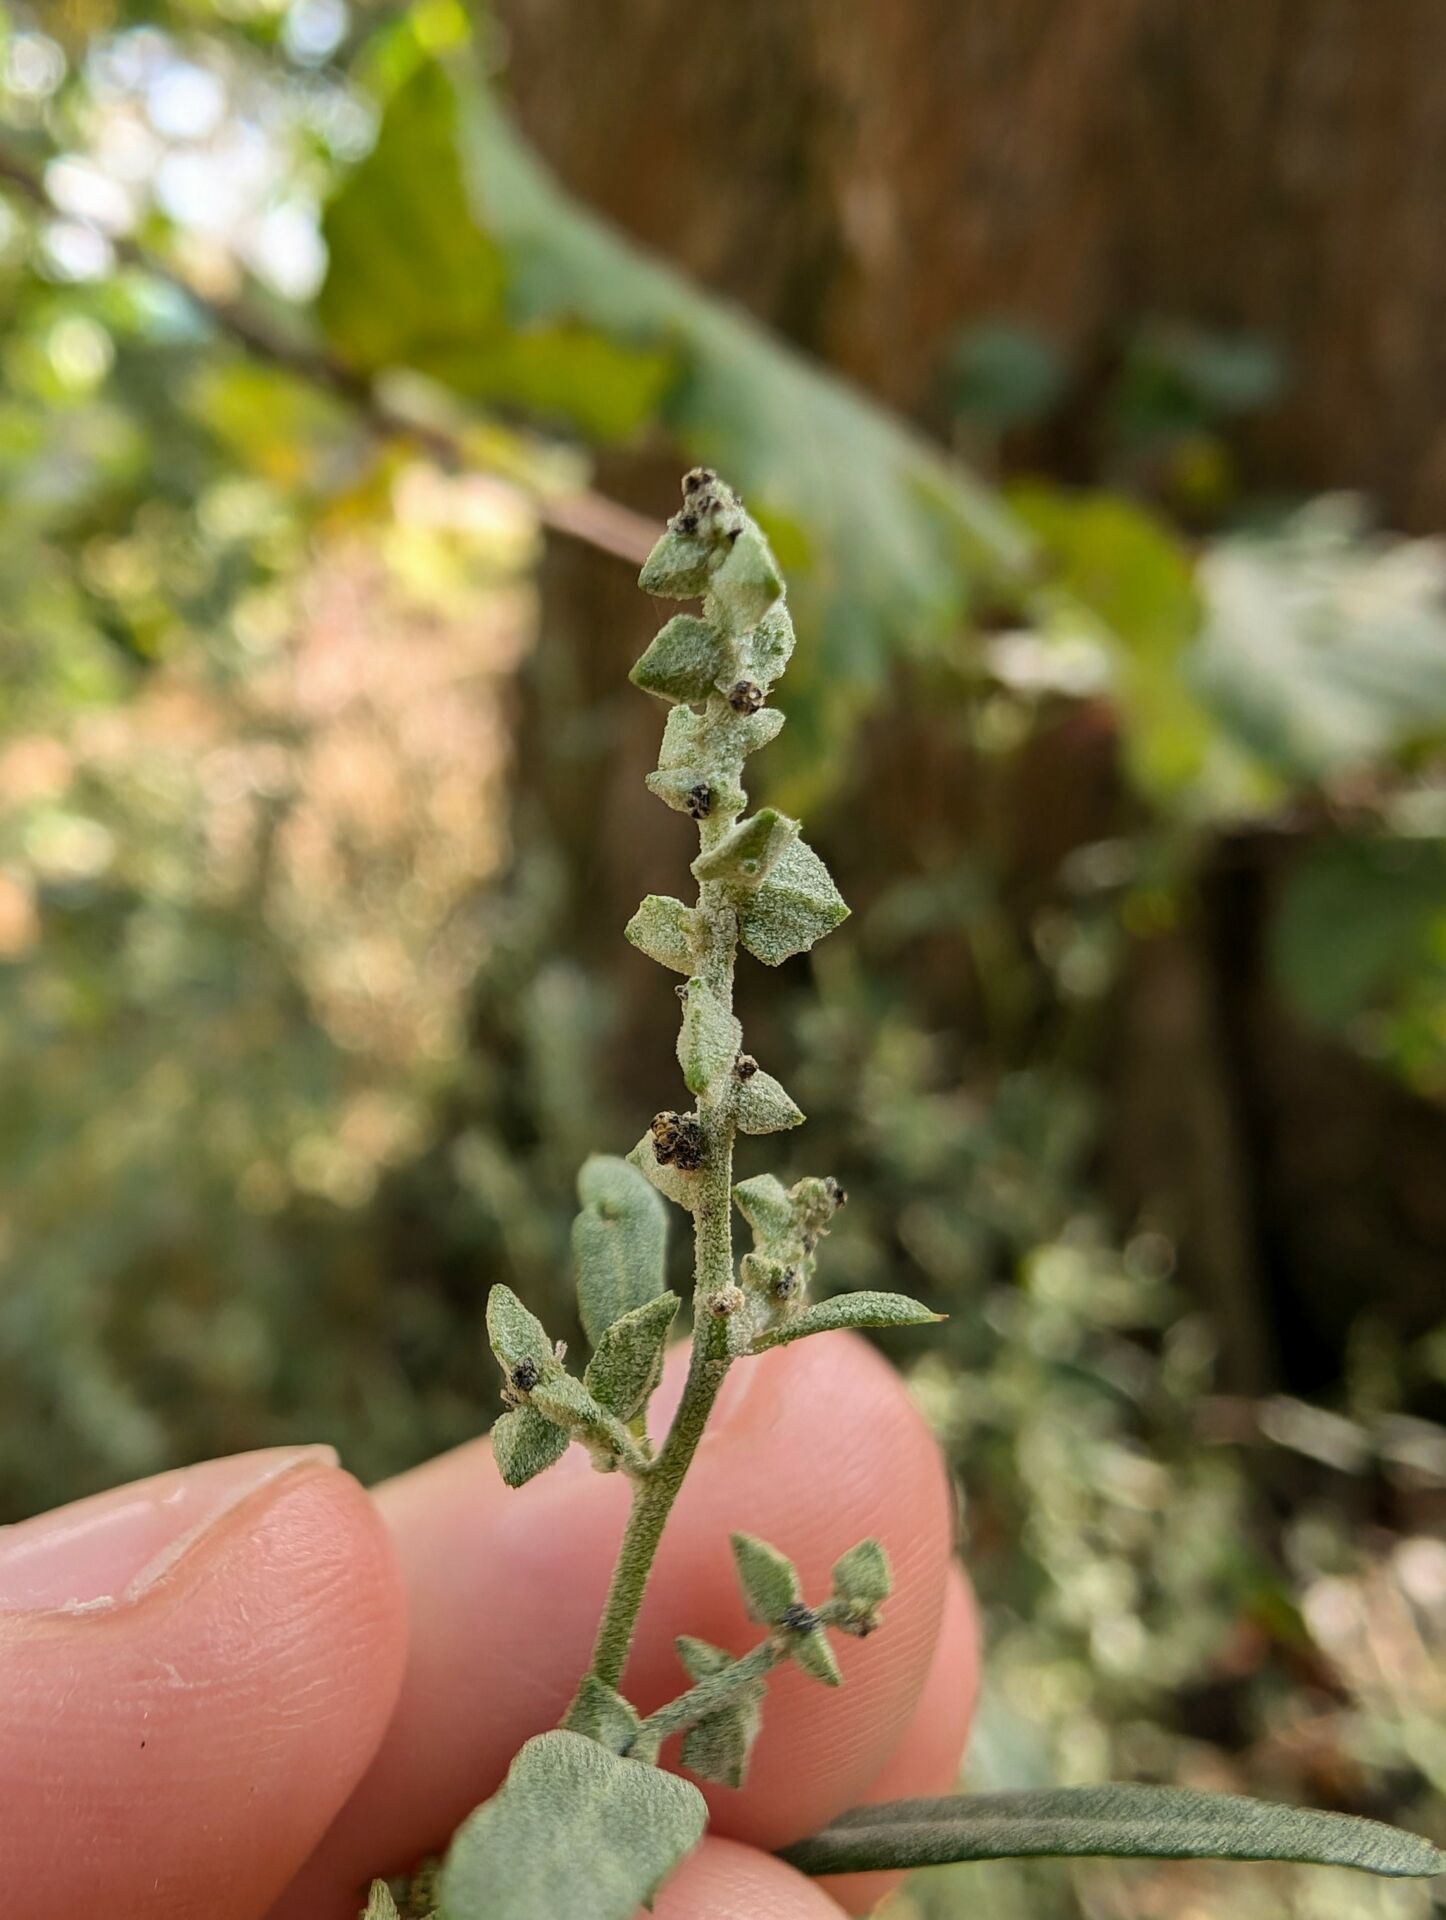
pixel 581 514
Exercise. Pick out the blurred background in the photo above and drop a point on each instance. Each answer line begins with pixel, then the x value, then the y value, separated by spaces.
pixel 1085 364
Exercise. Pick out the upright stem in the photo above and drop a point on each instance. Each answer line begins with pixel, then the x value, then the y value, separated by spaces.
pixel 655 1492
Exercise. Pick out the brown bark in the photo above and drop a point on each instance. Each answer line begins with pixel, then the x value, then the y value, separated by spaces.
pixel 869 175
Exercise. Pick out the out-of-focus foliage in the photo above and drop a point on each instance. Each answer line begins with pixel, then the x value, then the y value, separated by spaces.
pixel 299 1044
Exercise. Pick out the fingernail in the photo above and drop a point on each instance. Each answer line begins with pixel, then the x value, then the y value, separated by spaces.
pixel 109 1550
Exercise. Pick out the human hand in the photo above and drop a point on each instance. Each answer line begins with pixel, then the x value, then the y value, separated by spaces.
pixel 241 1689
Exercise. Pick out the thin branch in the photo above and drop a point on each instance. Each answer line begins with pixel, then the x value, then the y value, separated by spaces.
pixel 582 515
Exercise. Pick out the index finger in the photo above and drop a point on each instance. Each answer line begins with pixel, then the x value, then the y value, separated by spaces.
pixel 813 1448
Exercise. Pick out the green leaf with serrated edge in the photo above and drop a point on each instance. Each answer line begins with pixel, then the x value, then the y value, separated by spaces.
pixel 663 929
pixel 744 858
pixel 862 1575
pixel 1153 1823
pixel 525 1444
pixel 603 1715
pixel 569 1815
pixel 619 1242
pixel 515 1334
pixel 769 648
pixel 812 1652
pixel 765 1107
pixel 769 1581
pixel 848 1310
pixel 709 1038
pixel 380 1904
pixel 682 1186
pixel 628 1364
pixel 747 581
pixel 678 567
pixel 684 659
pixel 764 1203
pixel 796 905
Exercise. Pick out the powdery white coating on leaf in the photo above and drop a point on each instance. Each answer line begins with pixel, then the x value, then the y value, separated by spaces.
pixel 525 1444
pixel 848 1310
pixel 515 1334
pixel 747 581
pixel 796 905
pixel 812 1652
pixel 569 1815
pixel 769 1580
pixel 683 659
pixel 766 1107
pixel 682 1186
pixel 863 1575
pixel 628 1364
pixel 380 1904
pixel 753 850
pixel 677 568
pixel 708 1040
pixel 764 1203
pixel 603 1715
pixel 663 928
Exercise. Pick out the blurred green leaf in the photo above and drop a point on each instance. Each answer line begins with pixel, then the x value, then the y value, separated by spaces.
pixel 1158 1823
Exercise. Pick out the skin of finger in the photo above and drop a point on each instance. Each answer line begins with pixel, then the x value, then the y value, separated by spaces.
pixel 725 1880
pixel 813 1447
pixel 926 1760
pixel 179 1756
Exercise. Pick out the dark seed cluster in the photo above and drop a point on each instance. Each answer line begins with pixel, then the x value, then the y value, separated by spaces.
pixel 709 507
pixel 677 1141
pixel 744 696
pixel 745 1066
pixel 798 1618
pixel 700 802
pixel 525 1376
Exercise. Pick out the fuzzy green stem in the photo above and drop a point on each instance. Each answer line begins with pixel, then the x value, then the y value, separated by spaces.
pixel 716 1691
pixel 656 1491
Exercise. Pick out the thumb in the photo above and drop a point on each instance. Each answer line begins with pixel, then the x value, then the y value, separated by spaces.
pixel 196 1670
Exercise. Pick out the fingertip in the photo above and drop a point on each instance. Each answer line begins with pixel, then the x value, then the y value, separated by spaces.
pixel 181 1752
pixel 926 1760
pixel 725 1880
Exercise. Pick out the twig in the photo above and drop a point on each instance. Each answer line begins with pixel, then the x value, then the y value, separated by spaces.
pixel 582 514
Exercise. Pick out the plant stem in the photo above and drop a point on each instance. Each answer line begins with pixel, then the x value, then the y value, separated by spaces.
pixel 655 1492
pixel 711 1693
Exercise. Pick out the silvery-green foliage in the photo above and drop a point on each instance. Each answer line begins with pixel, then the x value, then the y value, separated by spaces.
pixel 718 1747
pixel 628 1363
pixel 570 1814
pixel 619 1243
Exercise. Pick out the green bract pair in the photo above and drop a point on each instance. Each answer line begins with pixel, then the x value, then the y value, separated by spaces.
pixel 586 1822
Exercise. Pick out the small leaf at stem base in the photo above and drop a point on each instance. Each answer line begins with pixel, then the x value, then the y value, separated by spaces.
pixel 628 1364
pixel 619 1242
pixel 524 1444
pixel 769 1581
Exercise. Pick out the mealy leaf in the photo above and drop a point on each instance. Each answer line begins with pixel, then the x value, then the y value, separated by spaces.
pixel 769 648
pixel 603 1715
pixel 719 1746
pixel 764 1203
pixel 619 1242
pixel 748 581
pixel 796 905
pixel 380 1904
pixel 683 660
pixel 1161 1823
pixel 863 1574
pixel 848 1310
pixel 678 567
pixel 525 1444
pixel 628 1364
pixel 568 1402
pixel 766 1107
pixel 769 1581
pixel 708 1040
pixel 812 1652
pixel 683 1186
pixel 515 1334
pixel 662 928
pixel 569 1815
pixel 746 856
